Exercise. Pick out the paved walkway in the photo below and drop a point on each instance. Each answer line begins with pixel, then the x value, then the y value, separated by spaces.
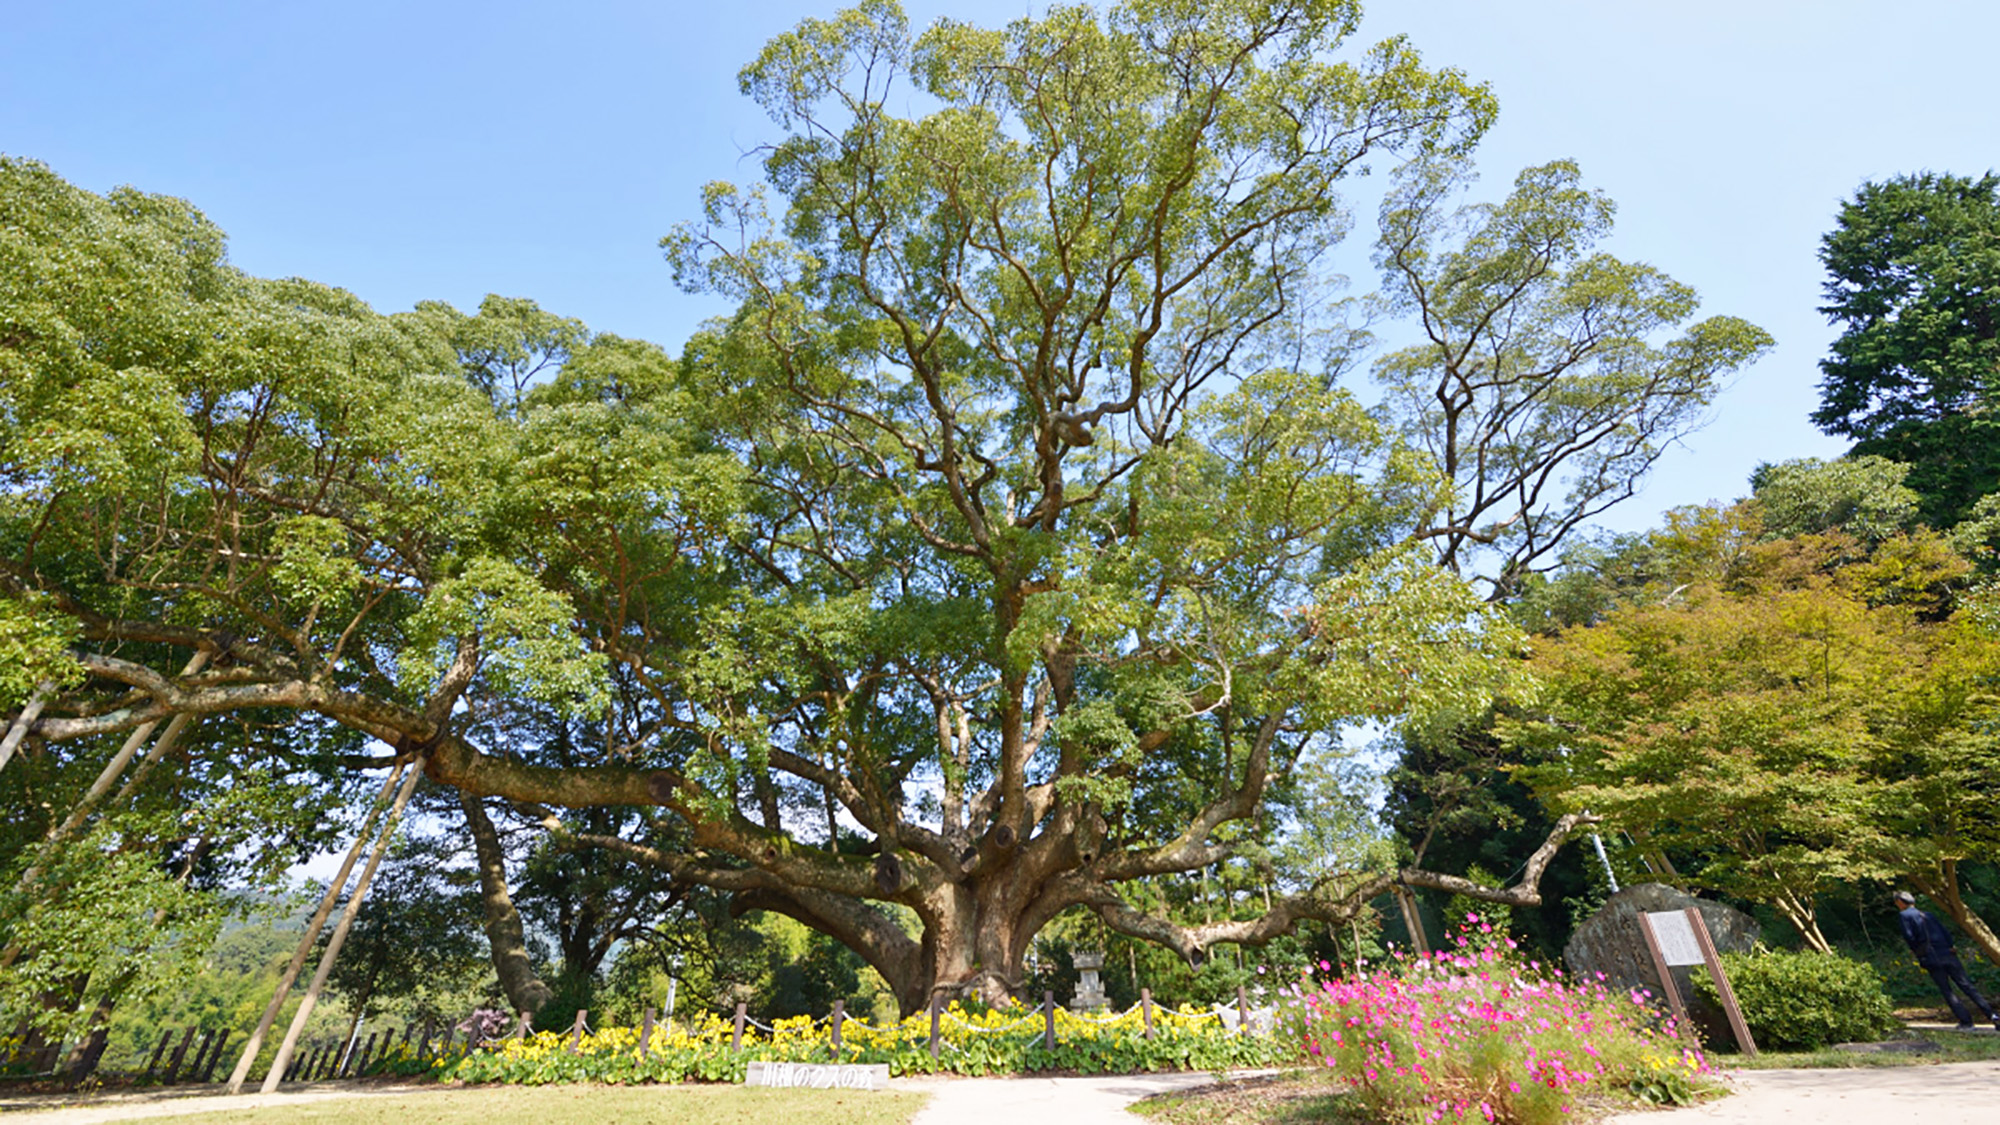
pixel 1945 1094
pixel 1043 1101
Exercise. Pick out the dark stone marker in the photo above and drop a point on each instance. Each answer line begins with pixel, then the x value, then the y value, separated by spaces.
pixel 1610 942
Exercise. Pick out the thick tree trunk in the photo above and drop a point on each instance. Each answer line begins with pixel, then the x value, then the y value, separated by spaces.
pixel 524 987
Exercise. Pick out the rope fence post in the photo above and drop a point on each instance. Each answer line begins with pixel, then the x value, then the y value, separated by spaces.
pixel 1049 1024
pixel 937 1010
pixel 1242 1011
pixel 736 1037
pixel 646 1035
pixel 576 1031
pixel 839 1016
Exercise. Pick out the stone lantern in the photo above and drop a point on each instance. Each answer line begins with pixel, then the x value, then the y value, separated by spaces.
pixel 1089 990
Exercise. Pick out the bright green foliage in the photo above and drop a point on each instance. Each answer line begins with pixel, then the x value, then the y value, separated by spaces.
pixel 1796 713
pixel 1538 389
pixel 1805 1001
pixel 1863 496
pixel 1913 284
pixel 1011 549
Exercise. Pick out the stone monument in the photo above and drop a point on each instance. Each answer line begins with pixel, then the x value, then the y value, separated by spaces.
pixel 1611 943
pixel 1089 990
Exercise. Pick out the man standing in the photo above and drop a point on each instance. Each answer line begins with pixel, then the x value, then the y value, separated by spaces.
pixel 1929 940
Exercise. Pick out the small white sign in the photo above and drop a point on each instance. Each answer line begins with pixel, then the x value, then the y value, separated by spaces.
pixel 1675 935
pixel 817 1076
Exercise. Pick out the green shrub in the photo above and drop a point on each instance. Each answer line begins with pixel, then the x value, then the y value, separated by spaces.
pixel 1805 1001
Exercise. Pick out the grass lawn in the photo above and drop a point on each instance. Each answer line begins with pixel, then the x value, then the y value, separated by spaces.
pixel 589 1105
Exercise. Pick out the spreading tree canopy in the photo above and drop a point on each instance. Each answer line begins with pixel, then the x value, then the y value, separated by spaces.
pixel 1016 541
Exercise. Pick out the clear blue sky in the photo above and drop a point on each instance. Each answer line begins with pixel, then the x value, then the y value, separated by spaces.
pixel 446 150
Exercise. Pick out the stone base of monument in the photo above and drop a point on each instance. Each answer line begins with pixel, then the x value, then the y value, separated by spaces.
pixel 817 1076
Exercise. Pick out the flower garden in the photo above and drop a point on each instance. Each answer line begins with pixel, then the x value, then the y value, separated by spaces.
pixel 1472 1036
pixel 971 1041
pixel 1477 1036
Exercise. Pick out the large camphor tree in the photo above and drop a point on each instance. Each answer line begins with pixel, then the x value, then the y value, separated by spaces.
pixel 1011 546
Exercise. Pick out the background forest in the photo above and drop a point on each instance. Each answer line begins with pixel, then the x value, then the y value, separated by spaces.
pixel 1047 553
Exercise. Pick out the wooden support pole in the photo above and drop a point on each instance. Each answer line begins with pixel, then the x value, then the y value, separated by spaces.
pixel 646 1035
pixel 526 1025
pixel 367 1052
pixel 18 730
pixel 306 940
pixel 153 1064
pixel 1722 990
pixel 839 1015
pixel 1049 1021
pixel 1242 1011
pixel 339 936
pixel 1146 1009
pixel 736 1037
pixel 1413 919
pixel 180 1055
pixel 937 1010
pixel 424 1040
pixel 576 1031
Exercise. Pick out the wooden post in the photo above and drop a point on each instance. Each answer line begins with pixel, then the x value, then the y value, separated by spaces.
pixel 1049 1024
pixel 1242 1011
pixel 222 1039
pixel 307 939
pixel 153 1064
pixel 174 1063
pixel 424 1040
pixel 646 1035
pixel 300 1063
pixel 367 1051
pixel 937 1010
pixel 576 1031
pixel 451 1033
pixel 1146 1009
pixel 340 930
pixel 18 729
pixel 839 1014
pixel 1412 919
pixel 1727 994
pixel 526 1025
pixel 736 1039
pixel 200 1063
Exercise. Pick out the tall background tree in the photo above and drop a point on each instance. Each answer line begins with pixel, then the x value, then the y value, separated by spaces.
pixel 1913 283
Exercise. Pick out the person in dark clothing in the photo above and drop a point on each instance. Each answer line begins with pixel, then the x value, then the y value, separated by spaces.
pixel 1931 942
